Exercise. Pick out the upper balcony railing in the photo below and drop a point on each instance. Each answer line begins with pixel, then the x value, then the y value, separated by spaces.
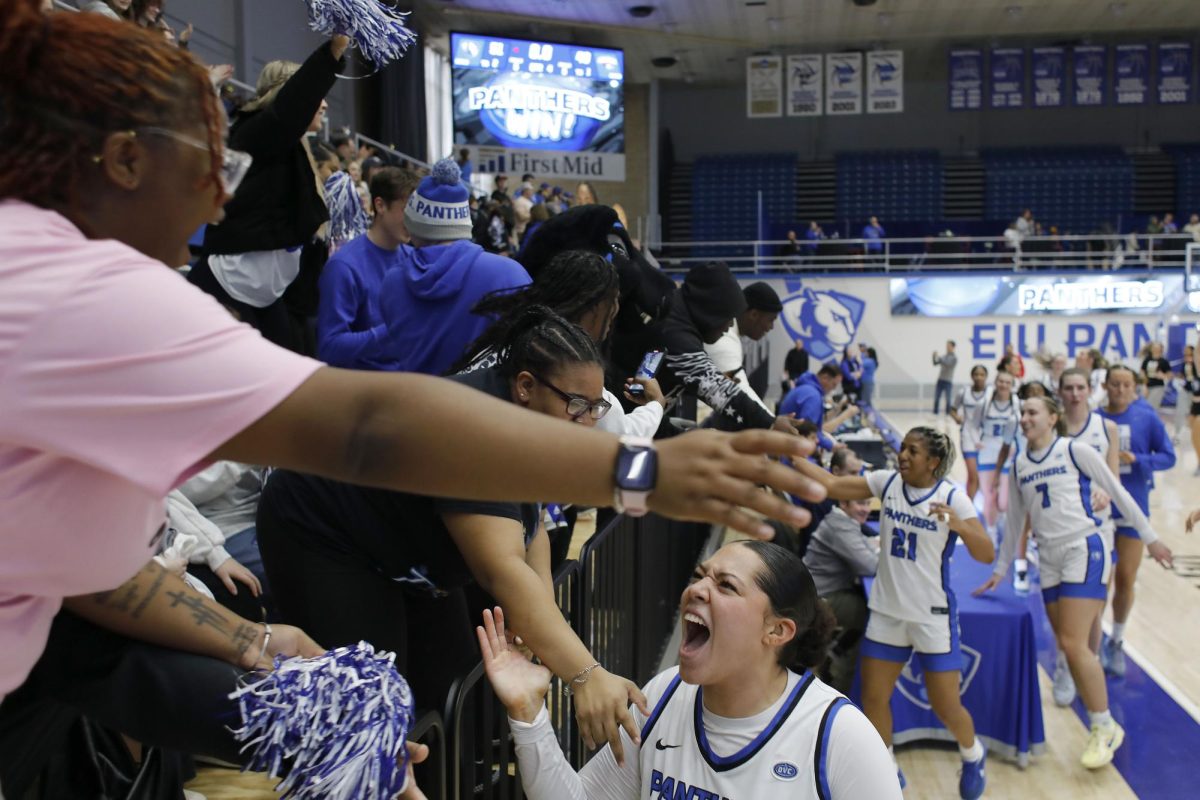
pixel 934 253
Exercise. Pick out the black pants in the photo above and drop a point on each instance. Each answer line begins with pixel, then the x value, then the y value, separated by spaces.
pixel 89 677
pixel 273 322
pixel 337 596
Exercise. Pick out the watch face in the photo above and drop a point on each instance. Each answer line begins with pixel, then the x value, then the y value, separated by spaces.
pixel 637 469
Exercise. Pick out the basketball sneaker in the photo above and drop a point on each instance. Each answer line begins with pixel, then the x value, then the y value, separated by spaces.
pixel 972 779
pixel 1064 686
pixel 1021 581
pixel 1112 657
pixel 1102 743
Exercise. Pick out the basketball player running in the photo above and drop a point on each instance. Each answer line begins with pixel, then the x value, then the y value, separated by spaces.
pixel 967 410
pixel 1145 447
pixel 1088 427
pixel 740 717
pixel 998 424
pixel 912 605
pixel 1051 482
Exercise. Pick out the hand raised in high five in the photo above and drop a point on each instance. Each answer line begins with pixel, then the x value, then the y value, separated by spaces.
pixel 520 684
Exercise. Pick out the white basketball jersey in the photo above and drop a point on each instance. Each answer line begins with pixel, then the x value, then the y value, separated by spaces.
pixel 913 579
pixel 786 759
pixel 1056 493
pixel 999 423
pixel 970 404
pixel 1093 433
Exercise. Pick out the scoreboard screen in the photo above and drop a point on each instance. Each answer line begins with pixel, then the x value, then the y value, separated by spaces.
pixel 515 93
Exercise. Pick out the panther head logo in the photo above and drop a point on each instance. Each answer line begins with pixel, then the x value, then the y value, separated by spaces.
pixel 911 683
pixel 825 320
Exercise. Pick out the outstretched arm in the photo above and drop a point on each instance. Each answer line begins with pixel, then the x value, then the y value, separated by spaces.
pixel 837 487
pixel 430 436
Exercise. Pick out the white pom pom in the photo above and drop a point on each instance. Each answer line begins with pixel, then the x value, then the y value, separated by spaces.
pixel 339 722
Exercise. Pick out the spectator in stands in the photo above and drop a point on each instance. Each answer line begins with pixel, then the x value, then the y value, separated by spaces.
pixel 251 258
pixel 841 552
pixel 389 568
pixel 795 364
pixel 945 381
pixel 149 14
pixel 1025 224
pixel 426 299
pixel 344 146
pixel 354 170
pixel 501 190
pixel 113 9
pixel 585 195
pixel 870 363
pixel 542 194
pixel 537 215
pixel 727 353
pixel 522 208
pixel 791 249
pixel 326 159
pixel 556 202
pixel 699 314
pixel 350 328
pixel 527 178
pixel 1156 370
pixel 1168 223
pixel 807 401
pixel 1153 226
pixel 813 236
pixel 852 372
pixel 465 167
pixel 366 150
pixel 1193 227
pixel 499 228
pixel 873 233
pixel 370 166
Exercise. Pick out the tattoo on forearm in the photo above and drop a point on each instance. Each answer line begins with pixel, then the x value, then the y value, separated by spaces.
pixel 131 597
pixel 202 613
pixel 243 637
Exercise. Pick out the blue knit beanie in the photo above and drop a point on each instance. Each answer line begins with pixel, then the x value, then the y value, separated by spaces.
pixel 437 211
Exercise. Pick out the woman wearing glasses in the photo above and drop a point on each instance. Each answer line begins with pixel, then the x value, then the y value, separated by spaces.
pixel 348 563
pixel 253 256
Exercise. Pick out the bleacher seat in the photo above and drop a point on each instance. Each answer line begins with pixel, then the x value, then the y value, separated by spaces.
pixel 725 198
pixel 896 186
pixel 1076 189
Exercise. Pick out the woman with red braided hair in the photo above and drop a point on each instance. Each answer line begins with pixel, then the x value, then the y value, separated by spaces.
pixel 118 381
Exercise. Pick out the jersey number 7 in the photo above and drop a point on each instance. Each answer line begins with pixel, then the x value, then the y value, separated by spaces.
pixel 898 550
pixel 1044 490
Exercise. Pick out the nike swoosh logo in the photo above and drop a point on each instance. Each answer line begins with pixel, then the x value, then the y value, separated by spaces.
pixel 660 746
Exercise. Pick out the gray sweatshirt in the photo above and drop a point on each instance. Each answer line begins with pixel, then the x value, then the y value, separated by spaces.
pixel 947 362
pixel 839 553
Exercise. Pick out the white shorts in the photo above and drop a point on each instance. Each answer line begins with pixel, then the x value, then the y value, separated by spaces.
pixel 970 442
pixel 936 641
pixel 1077 567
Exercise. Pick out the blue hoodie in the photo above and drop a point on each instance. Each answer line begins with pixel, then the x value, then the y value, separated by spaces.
pixel 807 401
pixel 426 302
pixel 350 328
pixel 1142 433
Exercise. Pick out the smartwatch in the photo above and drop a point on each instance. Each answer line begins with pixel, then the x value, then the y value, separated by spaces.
pixel 636 473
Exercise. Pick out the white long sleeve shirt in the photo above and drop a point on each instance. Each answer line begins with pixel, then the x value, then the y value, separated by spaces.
pixel 857 764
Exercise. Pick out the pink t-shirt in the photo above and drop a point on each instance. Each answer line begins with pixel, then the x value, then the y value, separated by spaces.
pixel 117 378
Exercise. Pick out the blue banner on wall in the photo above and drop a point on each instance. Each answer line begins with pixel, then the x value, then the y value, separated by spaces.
pixel 1007 73
pixel 1049 77
pixel 966 80
pixel 1131 81
pixel 1175 77
pixel 1091 75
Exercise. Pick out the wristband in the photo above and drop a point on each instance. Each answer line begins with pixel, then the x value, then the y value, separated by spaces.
pixel 581 677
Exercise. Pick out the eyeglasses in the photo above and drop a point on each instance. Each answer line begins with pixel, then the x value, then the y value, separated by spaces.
pixel 234 163
pixel 577 404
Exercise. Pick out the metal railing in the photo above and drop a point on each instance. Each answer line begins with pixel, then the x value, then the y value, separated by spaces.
pixel 1106 252
pixel 395 155
pixel 621 597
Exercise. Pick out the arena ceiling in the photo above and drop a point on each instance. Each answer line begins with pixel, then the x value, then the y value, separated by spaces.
pixel 710 38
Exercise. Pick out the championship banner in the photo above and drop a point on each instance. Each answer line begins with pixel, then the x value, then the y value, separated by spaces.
pixel 1131 82
pixel 1007 72
pixel 843 83
pixel 764 86
pixel 1175 74
pixel 885 82
pixel 1049 77
pixel 805 86
pixel 965 78
pixel 1091 75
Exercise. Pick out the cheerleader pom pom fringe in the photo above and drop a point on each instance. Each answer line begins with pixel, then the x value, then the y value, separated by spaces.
pixel 347 219
pixel 377 30
pixel 337 724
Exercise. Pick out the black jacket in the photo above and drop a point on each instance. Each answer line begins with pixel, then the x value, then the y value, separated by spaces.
pixel 710 298
pixel 277 206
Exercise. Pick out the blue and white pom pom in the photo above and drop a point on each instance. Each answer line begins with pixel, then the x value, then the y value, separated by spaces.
pixel 446 172
pixel 377 30
pixel 338 723
pixel 347 219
